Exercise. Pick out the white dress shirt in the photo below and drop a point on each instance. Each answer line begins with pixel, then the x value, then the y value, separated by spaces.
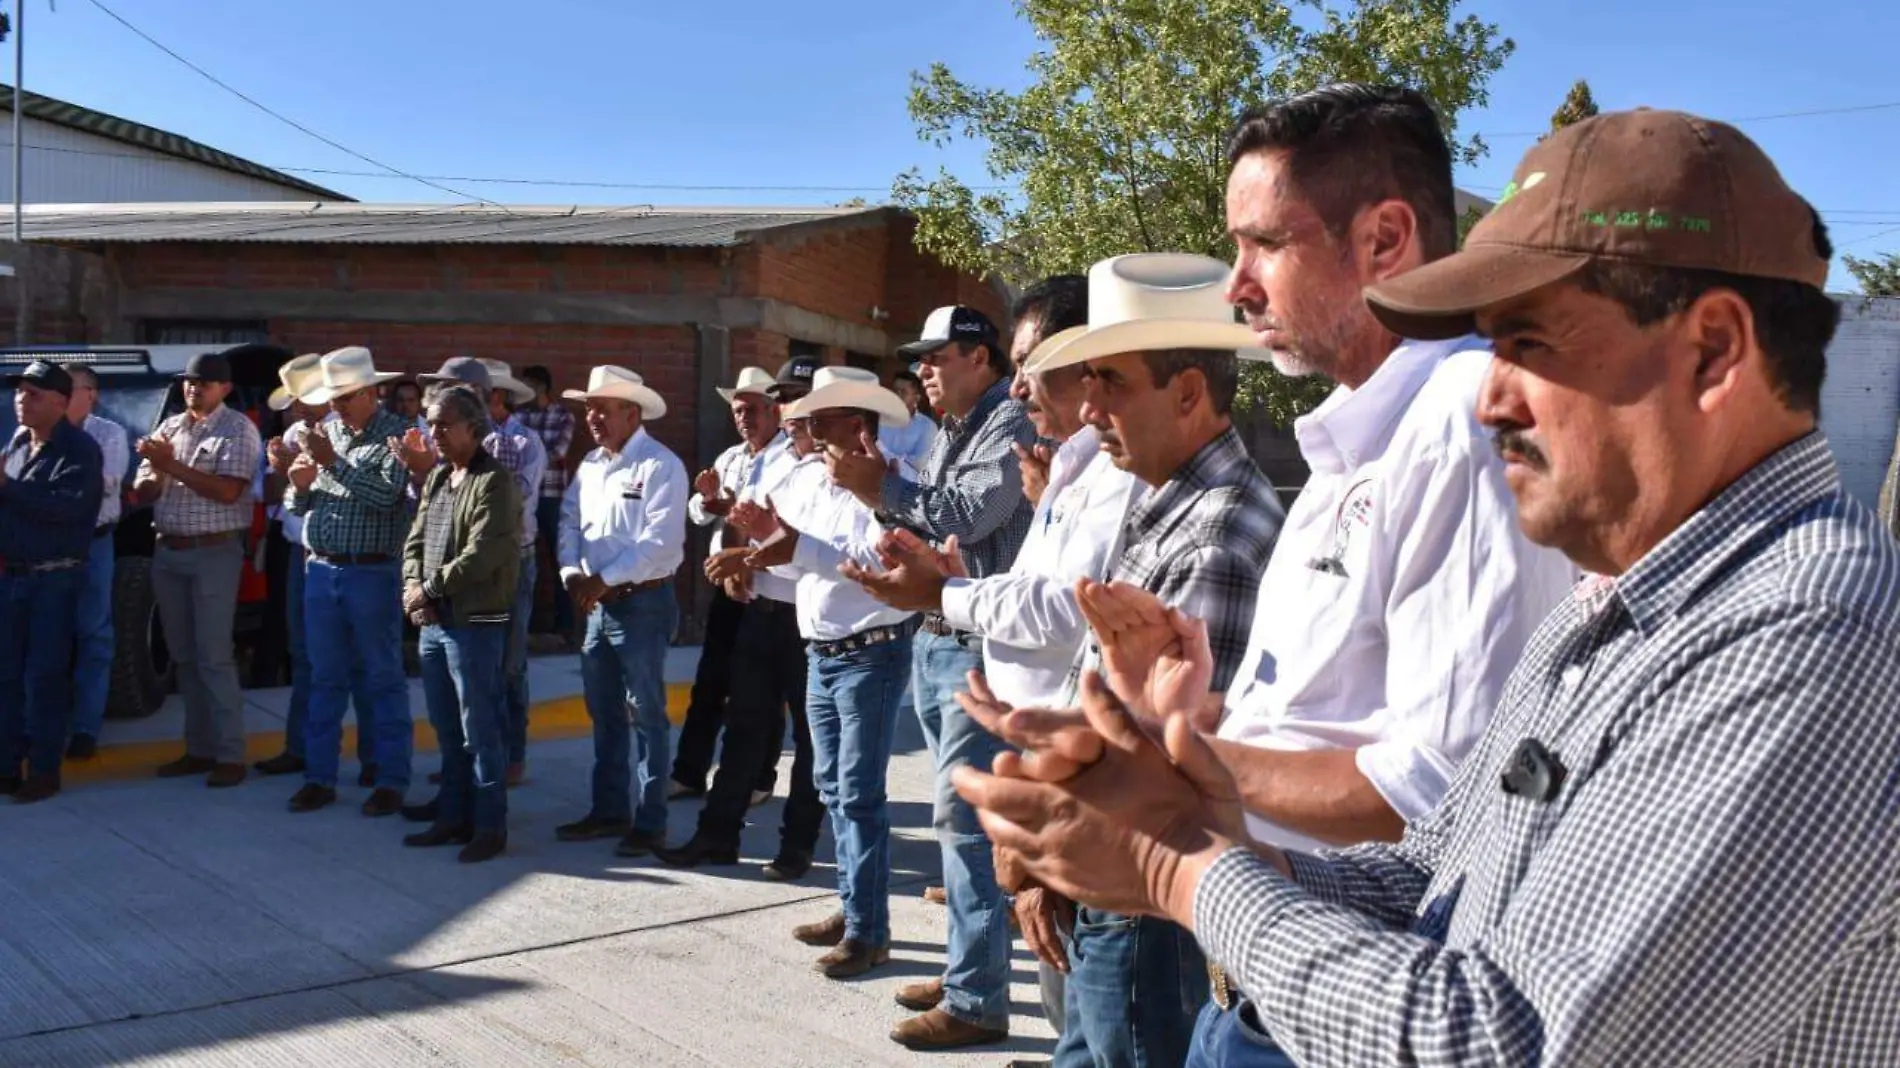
pixel 1032 626
pixel 624 516
pixel 907 445
pixel 765 476
pixel 1404 656
pixel 738 467
pixel 117 457
pixel 833 526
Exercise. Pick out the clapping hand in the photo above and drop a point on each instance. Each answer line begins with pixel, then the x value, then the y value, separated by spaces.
pixel 319 447
pixel 1155 657
pixel 861 473
pixel 1034 464
pixel 712 495
pixel 415 452
pixel 303 473
pixel 727 564
pixel 914 573
pixel 757 522
pixel 281 455
pixel 159 453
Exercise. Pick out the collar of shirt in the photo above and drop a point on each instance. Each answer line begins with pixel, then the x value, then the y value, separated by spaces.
pixel 1354 425
pixel 1204 469
pixel 382 426
pixel 993 396
pixel 1072 458
pixel 1656 587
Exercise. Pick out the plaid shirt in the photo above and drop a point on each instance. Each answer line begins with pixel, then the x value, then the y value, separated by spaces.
pixel 356 505
pixel 1714 877
pixel 554 425
pixel 1200 543
pixel 224 443
pixel 970 485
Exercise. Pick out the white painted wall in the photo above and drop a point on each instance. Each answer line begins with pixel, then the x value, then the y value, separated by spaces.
pixel 1860 401
pixel 67 166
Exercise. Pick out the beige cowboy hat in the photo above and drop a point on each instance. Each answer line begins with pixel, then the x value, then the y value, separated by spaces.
pixel 851 387
pixel 298 375
pixel 751 380
pixel 619 383
pixel 345 371
pixel 1149 301
pixel 500 376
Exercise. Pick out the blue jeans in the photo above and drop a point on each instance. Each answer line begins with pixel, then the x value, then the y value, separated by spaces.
pixel 851 702
pixel 353 623
pixel 1233 1039
pixel 92 627
pixel 547 521
pixel 976 971
pixel 623 662
pixel 515 663
pixel 299 712
pixel 1133 988
pixel 462 682
pixel 36 668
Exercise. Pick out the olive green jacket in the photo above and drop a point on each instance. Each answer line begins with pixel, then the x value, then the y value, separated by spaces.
pixel 476 583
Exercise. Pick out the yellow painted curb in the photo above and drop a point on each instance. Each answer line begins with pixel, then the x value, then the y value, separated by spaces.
pixel 563 717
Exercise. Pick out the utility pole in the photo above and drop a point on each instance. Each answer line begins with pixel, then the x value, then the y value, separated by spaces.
pixel 20 271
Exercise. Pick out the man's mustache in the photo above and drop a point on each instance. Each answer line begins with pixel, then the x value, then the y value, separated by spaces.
pixel 1513 440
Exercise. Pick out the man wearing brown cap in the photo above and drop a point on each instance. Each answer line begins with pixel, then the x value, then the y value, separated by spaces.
pixel 1678 842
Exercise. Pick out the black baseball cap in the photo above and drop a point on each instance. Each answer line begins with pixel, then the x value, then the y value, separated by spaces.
pixel 46 376
pixel 954 323
pixel 794 378
pixel 207 367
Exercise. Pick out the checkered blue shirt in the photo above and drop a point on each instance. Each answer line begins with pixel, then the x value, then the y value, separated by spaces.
pixel 1715 879
pixel 970 485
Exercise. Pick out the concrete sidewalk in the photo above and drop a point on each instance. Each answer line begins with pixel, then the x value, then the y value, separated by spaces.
pixel 160 923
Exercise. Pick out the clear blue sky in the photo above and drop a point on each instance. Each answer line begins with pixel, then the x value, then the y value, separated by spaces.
pixel 762 93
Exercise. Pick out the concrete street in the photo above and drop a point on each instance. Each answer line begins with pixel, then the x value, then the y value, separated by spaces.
pixel 160 923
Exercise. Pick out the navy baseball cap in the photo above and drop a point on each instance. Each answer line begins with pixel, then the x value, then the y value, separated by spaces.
pixel 207 367
pixel 954 323
pixel 46 376
pixel 794 378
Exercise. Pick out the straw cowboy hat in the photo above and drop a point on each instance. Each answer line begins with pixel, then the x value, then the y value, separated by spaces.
pixel 1150 301
pixel 298 375
pixel 751 380
pixel 851 387
pixel 619 383
pixel 500 376
pixel 344 372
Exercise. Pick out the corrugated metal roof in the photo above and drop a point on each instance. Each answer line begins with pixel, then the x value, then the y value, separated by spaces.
pixel 125 131
pixel 397 224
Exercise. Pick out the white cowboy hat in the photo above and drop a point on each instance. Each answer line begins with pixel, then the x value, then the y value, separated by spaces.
pixel 751 380
pixel 501 377
pixel 1149 301
pixel 851 387
pixel 345 371
pixel 297 375
pixel 619 383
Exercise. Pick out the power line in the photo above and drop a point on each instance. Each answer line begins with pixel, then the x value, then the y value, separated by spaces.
pixel 286 120
pixel 1750 118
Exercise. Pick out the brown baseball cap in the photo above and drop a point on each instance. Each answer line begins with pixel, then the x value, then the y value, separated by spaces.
pixel 1660 188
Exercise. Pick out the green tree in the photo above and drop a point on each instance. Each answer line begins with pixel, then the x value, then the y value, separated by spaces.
pixel 1578 105
pixel 1878 277
pixel 1118 143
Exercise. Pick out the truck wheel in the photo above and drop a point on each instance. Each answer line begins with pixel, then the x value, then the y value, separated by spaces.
pixel 142 672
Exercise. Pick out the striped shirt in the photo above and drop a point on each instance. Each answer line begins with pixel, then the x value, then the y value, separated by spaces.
pixel 554 425
pixel 356 505
pixel 1712 876
pixel 970 485
pixel 223 443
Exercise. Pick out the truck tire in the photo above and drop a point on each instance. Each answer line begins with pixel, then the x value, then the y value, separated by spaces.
pixel 142 672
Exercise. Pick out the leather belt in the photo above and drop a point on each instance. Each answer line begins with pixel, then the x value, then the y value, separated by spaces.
pixel 863 639
pixel 104 529
pixel 934 623
pixel 43 567
pixel 197 541
pixel 628 589
pixel 345 559
pixel 1222 989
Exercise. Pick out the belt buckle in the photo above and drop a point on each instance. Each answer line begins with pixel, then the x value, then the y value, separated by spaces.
pixel 1218 988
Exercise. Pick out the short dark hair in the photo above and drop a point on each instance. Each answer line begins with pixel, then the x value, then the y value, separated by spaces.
pixel 538 373
pixel 1794 321
pixel 1352 145
pixel 1056 303
pixel 1220 367
pixel 399 386
pixel 998 357
pixel 907 375
pixel 83 375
